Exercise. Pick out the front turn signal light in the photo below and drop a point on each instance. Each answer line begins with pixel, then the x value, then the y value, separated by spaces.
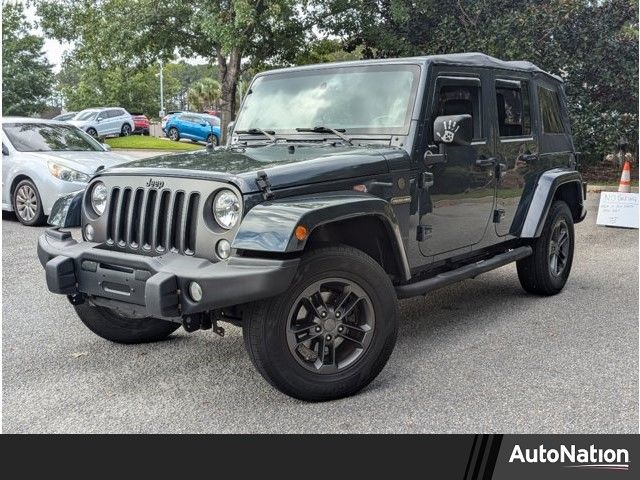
pixel 301 232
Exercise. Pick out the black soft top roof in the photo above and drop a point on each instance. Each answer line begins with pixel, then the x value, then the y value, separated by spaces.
pixel 476 59
pixel 472 59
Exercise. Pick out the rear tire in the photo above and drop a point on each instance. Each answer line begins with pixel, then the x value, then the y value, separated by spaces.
pixel 546 271
pixel 125 131
pixel 174 134
pixel 120 329
pixel 348 335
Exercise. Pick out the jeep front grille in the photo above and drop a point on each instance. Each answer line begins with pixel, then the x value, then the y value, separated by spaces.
pixel 150 220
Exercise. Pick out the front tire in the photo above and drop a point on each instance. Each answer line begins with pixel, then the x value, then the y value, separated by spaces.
pixel 120 329
pixel 546 271
pixel 92 132
pixel 213 140
pixel 331 333
pixel 27 204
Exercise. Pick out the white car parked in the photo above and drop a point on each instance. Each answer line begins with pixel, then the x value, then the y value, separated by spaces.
pixel 43 159
pixel 104 122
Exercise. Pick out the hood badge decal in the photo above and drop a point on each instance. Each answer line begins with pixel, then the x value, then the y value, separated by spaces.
pixel 154 183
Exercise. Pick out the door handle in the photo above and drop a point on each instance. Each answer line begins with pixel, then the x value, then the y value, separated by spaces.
pixel 486 162
pixel 530 157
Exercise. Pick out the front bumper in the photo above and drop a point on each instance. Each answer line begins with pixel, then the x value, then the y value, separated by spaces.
pixel 157 286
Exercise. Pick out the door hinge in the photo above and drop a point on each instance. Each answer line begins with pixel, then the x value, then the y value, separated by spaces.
pixel 424 232
pixel 263 183
pixel 498 215
pixel 426 180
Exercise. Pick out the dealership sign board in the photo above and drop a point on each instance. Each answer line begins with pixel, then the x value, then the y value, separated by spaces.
pixel 618 209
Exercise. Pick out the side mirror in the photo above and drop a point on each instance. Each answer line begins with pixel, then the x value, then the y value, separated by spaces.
pixel 106 147
pixel 453 129
pixel 5 150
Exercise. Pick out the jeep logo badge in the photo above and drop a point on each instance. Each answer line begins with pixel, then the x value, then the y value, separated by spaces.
pixel 155 183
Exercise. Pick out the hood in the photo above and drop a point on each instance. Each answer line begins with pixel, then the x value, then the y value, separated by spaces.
pixel 285 164
pixel 86 162
pixel 79 123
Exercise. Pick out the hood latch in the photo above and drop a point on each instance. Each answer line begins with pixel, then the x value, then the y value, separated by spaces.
pixel 264 185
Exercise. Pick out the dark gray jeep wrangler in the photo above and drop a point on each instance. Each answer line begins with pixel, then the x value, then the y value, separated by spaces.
pixel 343 188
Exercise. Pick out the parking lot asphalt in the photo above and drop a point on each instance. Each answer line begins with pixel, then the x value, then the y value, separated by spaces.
pixel 479 356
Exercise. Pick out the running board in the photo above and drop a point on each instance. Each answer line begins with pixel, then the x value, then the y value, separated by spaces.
pixel 468 271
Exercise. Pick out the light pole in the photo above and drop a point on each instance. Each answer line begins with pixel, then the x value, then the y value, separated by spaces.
pixel 161 92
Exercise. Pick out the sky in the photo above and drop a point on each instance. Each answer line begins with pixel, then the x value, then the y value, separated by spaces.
pixel 53 49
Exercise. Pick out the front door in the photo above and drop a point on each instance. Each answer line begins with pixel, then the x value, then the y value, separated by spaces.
pixel 459 204
pixel 516 147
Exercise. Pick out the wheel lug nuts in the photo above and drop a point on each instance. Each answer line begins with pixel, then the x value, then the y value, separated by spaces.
pixel 340 328
pixel 328 337
pixel 337 314
pixel 323 314
pixel 318 328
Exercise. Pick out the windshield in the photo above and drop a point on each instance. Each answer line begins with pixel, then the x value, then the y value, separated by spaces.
pixel 365 99
pixel 86 115
pixel 38 137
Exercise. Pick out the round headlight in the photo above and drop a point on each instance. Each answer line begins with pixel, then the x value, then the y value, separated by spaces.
pixel 99 197
pixel 226 209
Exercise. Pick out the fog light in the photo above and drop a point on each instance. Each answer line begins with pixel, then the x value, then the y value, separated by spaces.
pixel 89 232
pixel 223 248
pixel 195 291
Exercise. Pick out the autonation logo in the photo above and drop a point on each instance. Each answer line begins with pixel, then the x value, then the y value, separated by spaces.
pixel 592 457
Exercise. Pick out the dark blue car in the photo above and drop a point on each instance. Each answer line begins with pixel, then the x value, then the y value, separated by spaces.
pixel 193 126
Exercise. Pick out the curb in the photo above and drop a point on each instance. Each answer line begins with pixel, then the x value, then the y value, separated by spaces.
pixel 606 188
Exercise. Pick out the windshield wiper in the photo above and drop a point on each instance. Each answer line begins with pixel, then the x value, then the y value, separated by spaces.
pixel 257 131
pixel 324 129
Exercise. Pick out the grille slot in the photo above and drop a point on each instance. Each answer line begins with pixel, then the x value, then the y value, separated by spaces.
pixel 153 221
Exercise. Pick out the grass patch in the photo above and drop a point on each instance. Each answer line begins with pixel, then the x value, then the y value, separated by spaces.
pixel 150 143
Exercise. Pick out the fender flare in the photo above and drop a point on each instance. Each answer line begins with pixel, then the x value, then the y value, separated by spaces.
pixel 270 226
pixel 539 201
pixel 67 210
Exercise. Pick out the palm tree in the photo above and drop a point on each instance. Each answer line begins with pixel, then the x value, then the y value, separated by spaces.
pixel 204 94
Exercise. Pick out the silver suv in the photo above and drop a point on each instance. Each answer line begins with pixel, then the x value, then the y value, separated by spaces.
pixel 104 122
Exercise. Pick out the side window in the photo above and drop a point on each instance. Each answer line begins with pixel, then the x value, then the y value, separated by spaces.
pixel 550 109
pixel 103 115
pixel 460 100
pixel 514 115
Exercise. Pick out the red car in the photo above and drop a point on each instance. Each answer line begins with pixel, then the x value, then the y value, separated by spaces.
pixel 141 123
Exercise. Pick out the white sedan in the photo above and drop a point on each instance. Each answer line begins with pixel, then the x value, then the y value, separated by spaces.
pixel 43 159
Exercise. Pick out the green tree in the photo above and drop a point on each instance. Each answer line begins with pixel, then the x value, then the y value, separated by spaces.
pixel 186 75
pixel 592 45
pixel 86 83
pixel 204 94
pixel 26 74
pixel 233 34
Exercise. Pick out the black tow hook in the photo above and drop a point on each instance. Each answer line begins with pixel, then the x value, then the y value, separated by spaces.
pixel 202 321
pixel 76 298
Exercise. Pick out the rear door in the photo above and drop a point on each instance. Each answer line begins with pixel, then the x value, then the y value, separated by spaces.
pixel 114 121
pixel 460 202
pixel 203 128
pixel 516 145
